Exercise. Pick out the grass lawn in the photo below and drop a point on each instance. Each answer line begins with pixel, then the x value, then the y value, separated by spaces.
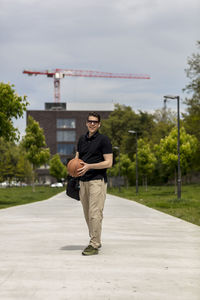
pixel 164 199
pixel 22 195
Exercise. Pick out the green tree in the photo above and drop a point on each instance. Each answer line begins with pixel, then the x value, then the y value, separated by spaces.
pixel 24 171
pixel 116 127
pixel 8 160
pixel 193 73
pixel 146 124
pixel 125 163
pixel 35 145
pixel 164 119
pixel 57 169
pixel 123 119
pixel 2 158
pixel 192 115
pixel 11 106
pixel 146 160
pixel 167 150
pixel 13 164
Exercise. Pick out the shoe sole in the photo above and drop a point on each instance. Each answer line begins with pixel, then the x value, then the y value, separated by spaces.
pixel 88 254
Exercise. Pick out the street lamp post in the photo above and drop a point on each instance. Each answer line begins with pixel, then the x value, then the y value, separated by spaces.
pixel 118 148
pixel 178 141
pixel 136 162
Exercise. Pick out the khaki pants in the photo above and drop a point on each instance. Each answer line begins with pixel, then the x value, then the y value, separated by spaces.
pixel 92 196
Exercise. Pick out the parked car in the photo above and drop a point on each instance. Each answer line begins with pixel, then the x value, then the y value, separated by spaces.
pixel 4 184
pixel 14 183
pixel 57 184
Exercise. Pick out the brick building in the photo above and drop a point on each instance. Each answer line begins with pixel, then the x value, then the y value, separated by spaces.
pixel 63 127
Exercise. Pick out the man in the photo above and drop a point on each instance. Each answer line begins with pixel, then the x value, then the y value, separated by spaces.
pixel 95 150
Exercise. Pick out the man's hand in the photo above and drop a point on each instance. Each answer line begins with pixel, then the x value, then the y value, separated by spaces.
pixel 84 169
pixel 106 163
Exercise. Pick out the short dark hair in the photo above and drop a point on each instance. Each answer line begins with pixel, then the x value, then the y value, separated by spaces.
pixel 94 114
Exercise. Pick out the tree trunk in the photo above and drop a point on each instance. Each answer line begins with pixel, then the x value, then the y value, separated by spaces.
pixel 146 184
pixel 33 179
pixel 175 186
pixel 126 181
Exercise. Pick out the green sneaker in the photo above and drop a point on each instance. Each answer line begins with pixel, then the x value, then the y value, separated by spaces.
pixel 90 250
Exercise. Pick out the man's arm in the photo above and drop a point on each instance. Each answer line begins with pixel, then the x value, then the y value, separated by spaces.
pixel 107 163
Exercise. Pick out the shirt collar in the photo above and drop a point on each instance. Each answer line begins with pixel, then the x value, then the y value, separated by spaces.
pixel 93 136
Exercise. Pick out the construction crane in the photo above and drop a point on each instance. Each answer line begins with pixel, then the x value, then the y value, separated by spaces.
pixel 58 74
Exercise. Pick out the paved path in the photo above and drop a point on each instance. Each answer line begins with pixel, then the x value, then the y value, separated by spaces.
pixel 146 255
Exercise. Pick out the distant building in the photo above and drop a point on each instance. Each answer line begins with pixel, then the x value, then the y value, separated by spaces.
pixel 64 125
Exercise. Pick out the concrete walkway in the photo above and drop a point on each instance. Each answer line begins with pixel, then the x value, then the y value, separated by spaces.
pixel 146 255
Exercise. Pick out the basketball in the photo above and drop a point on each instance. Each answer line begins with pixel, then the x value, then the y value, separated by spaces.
pixel 73 165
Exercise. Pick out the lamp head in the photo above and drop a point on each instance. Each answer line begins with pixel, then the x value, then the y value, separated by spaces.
pixel 132 131
pixel 170 97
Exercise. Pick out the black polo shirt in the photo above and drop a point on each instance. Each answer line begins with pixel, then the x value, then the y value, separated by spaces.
pixel 91 150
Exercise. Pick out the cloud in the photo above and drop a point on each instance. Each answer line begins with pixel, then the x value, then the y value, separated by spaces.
pixel 127 36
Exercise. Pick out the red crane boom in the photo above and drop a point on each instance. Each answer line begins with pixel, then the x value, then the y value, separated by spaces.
pixel 61 73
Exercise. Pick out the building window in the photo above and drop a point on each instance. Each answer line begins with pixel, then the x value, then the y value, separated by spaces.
pixel 66 123
pixel 66 136
pixel 66 149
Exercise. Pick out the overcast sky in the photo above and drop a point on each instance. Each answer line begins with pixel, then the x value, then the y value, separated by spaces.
pixel 152 37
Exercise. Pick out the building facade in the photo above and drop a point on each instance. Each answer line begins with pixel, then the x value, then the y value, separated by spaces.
pixel 62 128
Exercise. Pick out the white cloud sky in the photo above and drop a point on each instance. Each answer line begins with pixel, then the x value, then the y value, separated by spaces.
pixel 152 37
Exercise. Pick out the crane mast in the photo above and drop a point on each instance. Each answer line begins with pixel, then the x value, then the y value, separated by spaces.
pixel 58 74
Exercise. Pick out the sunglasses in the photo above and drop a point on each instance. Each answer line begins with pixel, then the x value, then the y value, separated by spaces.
pixel 92 121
